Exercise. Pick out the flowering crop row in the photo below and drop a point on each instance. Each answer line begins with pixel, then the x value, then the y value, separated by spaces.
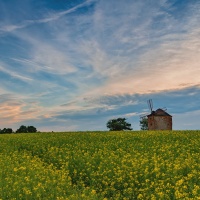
pixel 100 165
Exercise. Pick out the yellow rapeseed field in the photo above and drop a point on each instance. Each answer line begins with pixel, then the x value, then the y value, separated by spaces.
pixel 100 165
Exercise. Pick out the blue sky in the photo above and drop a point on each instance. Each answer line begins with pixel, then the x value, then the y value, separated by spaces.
pixel 69 65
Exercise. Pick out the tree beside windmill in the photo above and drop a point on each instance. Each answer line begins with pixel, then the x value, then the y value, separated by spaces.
pixel 159 119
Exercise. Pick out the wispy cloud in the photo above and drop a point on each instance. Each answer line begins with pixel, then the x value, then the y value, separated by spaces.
pixel 167 58
pixel 13 109
pixel 124 63
pixel 51 17
pixel 14 74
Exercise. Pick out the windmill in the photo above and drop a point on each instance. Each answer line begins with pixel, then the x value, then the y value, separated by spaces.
pixel 158 119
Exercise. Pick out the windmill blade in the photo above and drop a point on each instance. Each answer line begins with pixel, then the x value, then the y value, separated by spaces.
pixel 150 104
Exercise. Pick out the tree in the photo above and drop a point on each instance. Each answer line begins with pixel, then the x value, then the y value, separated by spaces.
pixel 9 130
pixel 31 129
pixel 118 124
pixel 144 123
pixel 6 130
pixel 25 129
pixel 22 129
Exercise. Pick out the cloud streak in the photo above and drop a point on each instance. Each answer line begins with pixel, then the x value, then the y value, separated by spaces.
pixel 51 17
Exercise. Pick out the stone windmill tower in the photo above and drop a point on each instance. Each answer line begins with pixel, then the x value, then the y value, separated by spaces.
pixel 159 119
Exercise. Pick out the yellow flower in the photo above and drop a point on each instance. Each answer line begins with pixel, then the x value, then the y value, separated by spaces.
pixel 140 196
pixel 15 169
pixel 93 191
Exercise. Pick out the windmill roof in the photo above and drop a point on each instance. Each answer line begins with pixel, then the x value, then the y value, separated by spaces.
pixel 159 112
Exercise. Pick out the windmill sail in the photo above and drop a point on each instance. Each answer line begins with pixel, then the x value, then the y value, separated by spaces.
pixel 150 105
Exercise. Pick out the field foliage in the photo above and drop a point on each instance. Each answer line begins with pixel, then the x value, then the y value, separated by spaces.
pixel 100 165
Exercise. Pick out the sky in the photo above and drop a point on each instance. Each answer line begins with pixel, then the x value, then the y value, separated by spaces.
pixel 71 65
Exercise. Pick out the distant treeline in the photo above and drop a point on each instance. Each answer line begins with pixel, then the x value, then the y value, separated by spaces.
pixel 21 129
